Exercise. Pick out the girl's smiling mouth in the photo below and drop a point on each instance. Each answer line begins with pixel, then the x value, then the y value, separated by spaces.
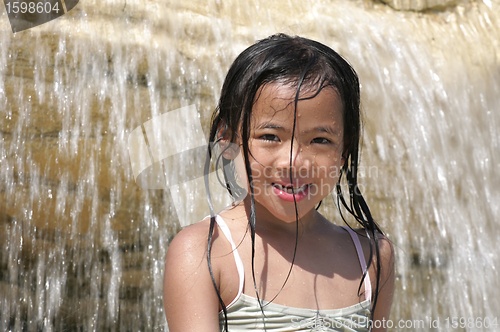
pixel 290 193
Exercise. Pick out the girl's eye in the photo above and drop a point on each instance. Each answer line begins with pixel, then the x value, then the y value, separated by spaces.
pixel 321 140
pixel 269 137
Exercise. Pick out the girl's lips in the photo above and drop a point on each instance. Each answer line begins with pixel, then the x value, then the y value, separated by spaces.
pixel 288 192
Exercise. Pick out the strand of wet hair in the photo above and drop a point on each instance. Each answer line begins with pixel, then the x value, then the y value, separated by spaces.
pixel 361 213
pixel 210 236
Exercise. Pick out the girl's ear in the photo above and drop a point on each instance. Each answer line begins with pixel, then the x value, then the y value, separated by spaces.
pixel 229 150
pixel 344 158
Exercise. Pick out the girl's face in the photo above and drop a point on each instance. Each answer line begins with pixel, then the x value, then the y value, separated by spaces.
pixel 301 164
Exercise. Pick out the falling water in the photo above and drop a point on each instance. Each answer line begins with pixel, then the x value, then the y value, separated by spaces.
pixel 83 243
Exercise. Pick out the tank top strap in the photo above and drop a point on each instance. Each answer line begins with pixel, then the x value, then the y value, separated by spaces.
pixel 237 259
pixel 362 262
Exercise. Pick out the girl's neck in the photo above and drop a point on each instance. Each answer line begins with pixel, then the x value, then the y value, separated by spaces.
pixel 267 222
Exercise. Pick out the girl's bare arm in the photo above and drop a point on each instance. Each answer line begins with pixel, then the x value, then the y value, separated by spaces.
pixel 189 297
pixel 386 288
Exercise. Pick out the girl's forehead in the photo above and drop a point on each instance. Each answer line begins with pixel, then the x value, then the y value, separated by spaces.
pixel 277 100
pixel 285 91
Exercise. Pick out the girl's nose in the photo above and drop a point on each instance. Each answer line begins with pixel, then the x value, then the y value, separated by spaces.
pixel 293 155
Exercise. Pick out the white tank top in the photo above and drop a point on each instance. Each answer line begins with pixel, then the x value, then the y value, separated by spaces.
pixel 245 314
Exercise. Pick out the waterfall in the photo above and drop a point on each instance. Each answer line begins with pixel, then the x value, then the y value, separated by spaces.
pixel 83 243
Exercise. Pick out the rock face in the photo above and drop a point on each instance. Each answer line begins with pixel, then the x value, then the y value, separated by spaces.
pixel 423 5
pixel 83 244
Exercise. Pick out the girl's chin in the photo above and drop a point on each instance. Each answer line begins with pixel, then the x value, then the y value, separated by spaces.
pixel 286 214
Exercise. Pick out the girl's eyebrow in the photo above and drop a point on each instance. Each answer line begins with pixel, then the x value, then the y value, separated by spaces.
pixel 323 129
pixel 320 129
pixel 270 125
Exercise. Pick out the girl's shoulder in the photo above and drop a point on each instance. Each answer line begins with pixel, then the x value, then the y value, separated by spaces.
pixel 381 237
pixel 188 285
pixel 386 250
pixel 191 234
pixel 194 239
pixel 188 246
pixel 384 244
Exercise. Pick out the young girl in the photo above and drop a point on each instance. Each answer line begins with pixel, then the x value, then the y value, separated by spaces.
pixel 271 262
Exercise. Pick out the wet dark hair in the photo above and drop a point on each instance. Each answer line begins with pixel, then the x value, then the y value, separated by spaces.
pixel 300 63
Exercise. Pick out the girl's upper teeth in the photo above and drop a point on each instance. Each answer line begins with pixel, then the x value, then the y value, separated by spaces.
pixel 290 189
